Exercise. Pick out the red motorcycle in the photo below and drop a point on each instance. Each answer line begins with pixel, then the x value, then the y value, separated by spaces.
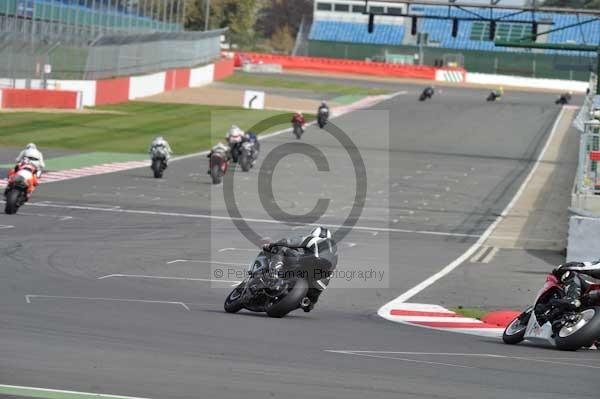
pixel 218 165
pixel 551 321
pixel 22 181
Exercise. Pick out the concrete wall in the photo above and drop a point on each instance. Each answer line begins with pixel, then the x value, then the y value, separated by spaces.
pixel 584 235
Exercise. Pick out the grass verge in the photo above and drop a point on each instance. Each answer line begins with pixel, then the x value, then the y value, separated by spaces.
pixel 330 88
pixel 188 128
pixel 470 312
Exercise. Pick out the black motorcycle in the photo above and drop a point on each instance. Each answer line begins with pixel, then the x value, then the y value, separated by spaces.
pixel 248 155
pixel 426 94
pixel 278 284
pixel 493 96
pixel 323 117
pixel 563 99
pixel 159 162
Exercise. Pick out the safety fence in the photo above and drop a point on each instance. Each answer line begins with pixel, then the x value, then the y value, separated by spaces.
pixel 107 56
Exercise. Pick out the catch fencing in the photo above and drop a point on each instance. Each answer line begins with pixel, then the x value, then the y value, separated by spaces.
pixel 107 56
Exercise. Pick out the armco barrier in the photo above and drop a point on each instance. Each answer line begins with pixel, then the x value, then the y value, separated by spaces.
pixel 35 98
pixel 339 65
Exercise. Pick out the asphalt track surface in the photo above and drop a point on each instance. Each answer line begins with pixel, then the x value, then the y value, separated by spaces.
pixel 448 166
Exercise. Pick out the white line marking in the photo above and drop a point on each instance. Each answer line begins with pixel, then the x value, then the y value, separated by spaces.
pixel 491 255
pixel 208 280
pixel 94 395
pixel 461 259
pixel 28 299
pixel 402 359
pixel 249 220
pixel 484 355
pixel 6 227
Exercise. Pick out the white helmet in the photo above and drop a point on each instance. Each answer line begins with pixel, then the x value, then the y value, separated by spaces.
pixel 31 146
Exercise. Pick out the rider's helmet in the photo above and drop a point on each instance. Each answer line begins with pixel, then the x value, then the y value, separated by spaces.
pixel 251 137
pixel 316 237
pixel 298 114
pixel 323 104
pixel 159 138
pixel 31 146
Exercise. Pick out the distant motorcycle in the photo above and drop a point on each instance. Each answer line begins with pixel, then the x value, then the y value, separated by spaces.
pixel 280 287
pixel 298 130
pixel 563 99
pixel 323 117
pixel 493 96
pixel 248 155
pixel 21 183
pixel 159 161
pixel 551 322
pixel 426 94
pixel 218 165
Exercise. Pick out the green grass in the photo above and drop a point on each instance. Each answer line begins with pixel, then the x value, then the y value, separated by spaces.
pixel 188 128
pixel 470 312
pixel 330 88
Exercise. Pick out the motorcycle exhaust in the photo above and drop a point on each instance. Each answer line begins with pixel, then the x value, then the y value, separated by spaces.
pixel 305 302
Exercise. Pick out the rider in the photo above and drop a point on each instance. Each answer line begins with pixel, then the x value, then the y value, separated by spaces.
pixel 499 92
pixel 428 91
pixel 318 243
pixel 298 119
pixel 234 137
pixel 572 274
pixel 220 149
pixel 160 144
pixel 34 156
pixel 250 137
pixel 323 107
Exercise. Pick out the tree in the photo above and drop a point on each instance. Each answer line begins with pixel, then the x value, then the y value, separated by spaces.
pixel 276 14
pixel 282 39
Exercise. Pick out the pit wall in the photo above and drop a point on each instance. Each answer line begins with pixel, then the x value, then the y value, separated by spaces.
pixel 534 83
pixel 60 93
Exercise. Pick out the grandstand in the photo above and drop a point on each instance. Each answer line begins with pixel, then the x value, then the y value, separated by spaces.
pixel 340 29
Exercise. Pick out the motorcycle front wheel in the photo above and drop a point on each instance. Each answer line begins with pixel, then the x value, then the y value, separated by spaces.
pixel 215 173
pixel 233 302
pixel 583 332
pixel 515 331
pixel 157 168
pixel 12 202
pixel 291 300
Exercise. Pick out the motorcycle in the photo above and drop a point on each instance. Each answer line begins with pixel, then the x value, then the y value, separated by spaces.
pixel 21 181
pixel 247 156
pixel 235 143
pixel 563 99
pixel 159 162
pixel 426 94
pixel 323 117
pixel 278 287
pixel 218 165
pixel 298 130
pixel 550 321
pixel 493 96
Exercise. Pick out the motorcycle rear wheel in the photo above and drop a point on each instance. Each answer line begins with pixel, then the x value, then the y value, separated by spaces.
pixel 583 333
pixel 215 173
pixel 12 202
pixel 290 302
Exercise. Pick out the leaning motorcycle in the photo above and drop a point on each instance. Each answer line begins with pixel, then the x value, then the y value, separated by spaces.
pixel 21 180
pixel 323 117
pixel 159 162
pixel 550 321
pixel 247 156
pixel 493 96
pixel 218 165
pixel 278 287
pixel 426 94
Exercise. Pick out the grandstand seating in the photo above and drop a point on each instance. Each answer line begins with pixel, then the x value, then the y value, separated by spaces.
pixel 354 32
pixel 82 13
pixel 471 35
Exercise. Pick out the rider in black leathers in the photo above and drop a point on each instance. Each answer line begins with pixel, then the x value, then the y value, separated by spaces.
pixel 317 251
pixel 573 274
